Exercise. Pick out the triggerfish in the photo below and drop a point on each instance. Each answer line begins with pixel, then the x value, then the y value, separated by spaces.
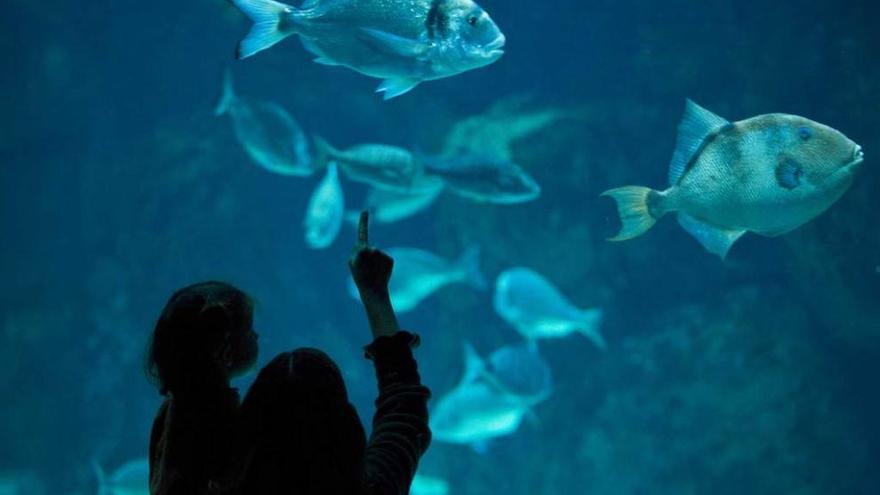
pixel 768 174
pixel 403 42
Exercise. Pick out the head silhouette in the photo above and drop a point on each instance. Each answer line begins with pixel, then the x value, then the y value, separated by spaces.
pixel 203 338
pixel 302 435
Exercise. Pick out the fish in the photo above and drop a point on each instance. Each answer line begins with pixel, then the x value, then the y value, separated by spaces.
pixel 402 42
pixel 768 175
pixel 538 310
pixel 132 478
pixel 271 137
pixel 484 178
pixel 389 206
pixel 428 485
pixel 521 370
pixel 477 409
pixel 382 166
pixel 325 211
pixel 417 274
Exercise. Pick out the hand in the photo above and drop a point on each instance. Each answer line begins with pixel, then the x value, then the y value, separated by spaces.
pixel 370 267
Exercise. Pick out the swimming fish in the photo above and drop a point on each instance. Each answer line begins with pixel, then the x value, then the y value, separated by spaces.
pixel 477 409
pixel 418 274
pixel 768 174
pixel 269 135
pixel 521 370
pixel 428 485
pixel 390 206
pixel 532 305
pixel 380 165
pixel 484 178
pixel 403 42
pixel 132 478
pixel 325 211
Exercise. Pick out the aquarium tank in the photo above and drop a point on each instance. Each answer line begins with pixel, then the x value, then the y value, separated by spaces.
pixel 639 240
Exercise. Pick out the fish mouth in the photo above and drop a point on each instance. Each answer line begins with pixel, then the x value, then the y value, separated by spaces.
pixel 494 49
pixel 858 158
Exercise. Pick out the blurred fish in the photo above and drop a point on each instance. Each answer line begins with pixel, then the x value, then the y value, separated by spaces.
pixel 382 166
pixel 537 309
pixel 478 409
pixel 325 211
pixel 269 135
pixel 132 478
pixel 403 42
pixel 389 206
pixel 768 174
pixel 522 371
pixel 418 274
pixel 426 485
pixel 484 178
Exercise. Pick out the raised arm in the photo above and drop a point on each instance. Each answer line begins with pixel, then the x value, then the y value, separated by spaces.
pixel 371 270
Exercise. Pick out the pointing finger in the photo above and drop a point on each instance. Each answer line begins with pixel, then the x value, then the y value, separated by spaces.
pixel 363 229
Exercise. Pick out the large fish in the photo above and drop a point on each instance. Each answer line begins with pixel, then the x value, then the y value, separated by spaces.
pixel 403 42
pixel 418 274
pixel 768 174
pixel 382 166
pixel 532 305
pixel 269 135
pixel 479 409
pixel 521 370
pixel 325 211
pixel 484 178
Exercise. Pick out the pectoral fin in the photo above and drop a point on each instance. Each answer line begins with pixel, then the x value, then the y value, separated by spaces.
pixel 405 47
pixel 396 87
pixel 716 240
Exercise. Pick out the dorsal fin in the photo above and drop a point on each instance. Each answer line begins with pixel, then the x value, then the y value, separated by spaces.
pixel 696 124
pixel 473 364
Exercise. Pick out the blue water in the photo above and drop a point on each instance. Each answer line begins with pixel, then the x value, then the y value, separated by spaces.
pixel 752 375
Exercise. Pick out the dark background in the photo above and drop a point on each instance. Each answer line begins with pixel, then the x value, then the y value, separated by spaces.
pixel 753 375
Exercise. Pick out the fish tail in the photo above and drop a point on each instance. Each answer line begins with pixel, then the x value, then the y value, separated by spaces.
pixel 469 264
pixel 272 23
pixel 633 207
pixel 324 152
pixel 590 320
pixel 228 97
pixel 101 478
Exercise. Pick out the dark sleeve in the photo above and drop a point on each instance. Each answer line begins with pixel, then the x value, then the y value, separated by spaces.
pixel 400 426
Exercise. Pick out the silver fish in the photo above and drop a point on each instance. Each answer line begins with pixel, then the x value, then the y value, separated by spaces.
pixel 768 174
pixel 132 478
pixel 484 178
pixel 390 206
pixel 418 274
pixel 403 42
pixel 532 305
pixel 269 135
pixel 522 371
pixel 477 409
pixel 325 211
pixel 382 166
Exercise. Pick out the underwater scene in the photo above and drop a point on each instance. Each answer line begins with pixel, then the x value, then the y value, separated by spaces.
pixel 639 240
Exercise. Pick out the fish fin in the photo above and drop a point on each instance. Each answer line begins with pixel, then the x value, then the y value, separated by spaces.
pixel 696 124
pixel 268 17
pixel 399 45
pixel 324 152
pixel 590 320
pixel 326 61
pixel 396 87
pixel 716 240
pixel 469 264
pixel 632 206
pixel 789 173
pixel 227 99
pixel 473 364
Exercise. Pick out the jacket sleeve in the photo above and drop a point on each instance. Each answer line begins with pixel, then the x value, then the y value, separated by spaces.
pixel 400 425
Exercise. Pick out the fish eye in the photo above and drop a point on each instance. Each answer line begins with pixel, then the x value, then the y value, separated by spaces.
pixel 805 133
pixel 472 20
